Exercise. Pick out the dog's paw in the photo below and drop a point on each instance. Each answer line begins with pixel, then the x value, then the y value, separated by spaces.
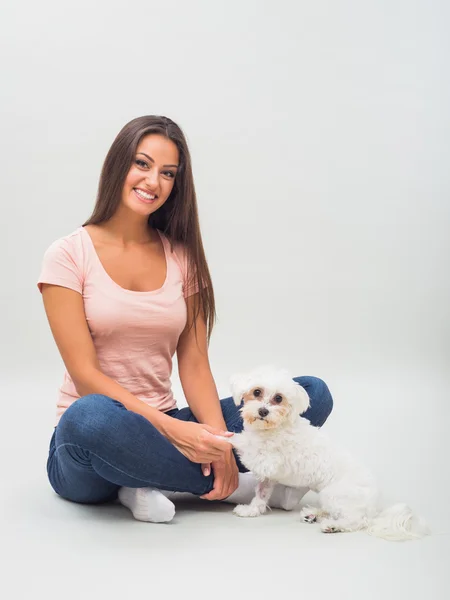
pixel 330 529
pixel 247 510
pixel 309 518
pixel 309 515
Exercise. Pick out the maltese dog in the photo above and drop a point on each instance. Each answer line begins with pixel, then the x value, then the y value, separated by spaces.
pixel 279 446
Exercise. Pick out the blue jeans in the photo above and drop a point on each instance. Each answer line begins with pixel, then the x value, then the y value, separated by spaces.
pixel 99 446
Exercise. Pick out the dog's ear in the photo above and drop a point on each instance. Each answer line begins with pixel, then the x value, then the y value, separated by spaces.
pixel 239 385
pixel 301 398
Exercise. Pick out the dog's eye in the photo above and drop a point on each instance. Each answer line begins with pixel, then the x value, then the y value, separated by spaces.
pixel 257 393
pixel 278 398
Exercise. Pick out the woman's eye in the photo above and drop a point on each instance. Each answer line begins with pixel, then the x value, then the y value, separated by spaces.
pixel 278 398
pixel 143 165
pixel 257 393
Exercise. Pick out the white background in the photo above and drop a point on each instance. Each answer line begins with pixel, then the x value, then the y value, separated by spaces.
pixel 319 134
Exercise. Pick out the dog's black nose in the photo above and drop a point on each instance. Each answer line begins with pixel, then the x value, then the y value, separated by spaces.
pixel 263 412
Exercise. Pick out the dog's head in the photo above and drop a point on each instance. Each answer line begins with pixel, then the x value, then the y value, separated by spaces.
pixel 270 398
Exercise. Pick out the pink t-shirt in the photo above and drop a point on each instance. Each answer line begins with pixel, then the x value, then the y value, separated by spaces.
pixel 135 334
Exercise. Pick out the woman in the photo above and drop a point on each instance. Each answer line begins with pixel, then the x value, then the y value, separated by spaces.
pixel 122 294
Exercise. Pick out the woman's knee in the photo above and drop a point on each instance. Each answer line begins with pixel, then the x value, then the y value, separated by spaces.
pixel 231 415
pixel 321 400
pixel 87 416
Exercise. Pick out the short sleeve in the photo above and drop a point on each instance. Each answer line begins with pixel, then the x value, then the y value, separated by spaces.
pixel 60 267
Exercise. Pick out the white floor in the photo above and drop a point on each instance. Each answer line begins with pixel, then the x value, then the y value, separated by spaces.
pixel 56 549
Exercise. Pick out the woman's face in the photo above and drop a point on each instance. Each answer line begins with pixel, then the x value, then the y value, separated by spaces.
pixel 151 176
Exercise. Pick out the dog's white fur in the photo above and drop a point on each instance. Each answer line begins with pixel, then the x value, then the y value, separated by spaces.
pixel 282 447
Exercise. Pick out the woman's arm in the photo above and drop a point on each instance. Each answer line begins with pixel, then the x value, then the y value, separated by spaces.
pixel 195 373
pixel 201 395
pixel 66 316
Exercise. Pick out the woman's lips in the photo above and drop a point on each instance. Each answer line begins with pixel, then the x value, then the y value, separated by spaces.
pixel 144 196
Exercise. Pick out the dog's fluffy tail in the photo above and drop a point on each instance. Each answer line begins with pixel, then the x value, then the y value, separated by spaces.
pixel 398 523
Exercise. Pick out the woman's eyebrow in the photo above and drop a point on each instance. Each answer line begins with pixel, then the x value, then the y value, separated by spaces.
pixel 151 159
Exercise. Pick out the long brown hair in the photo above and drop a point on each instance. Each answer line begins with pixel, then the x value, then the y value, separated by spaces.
pixel 177 217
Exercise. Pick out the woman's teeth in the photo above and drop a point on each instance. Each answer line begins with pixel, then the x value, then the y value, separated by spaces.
pixel 144 196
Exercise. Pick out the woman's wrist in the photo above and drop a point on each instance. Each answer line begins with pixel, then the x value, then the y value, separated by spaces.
pixel 167 426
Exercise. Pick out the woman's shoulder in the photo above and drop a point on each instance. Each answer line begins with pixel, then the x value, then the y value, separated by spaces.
pixel 69 240
pixel 64 262
pixel 177 248
pixel 69 245
pixel 180 256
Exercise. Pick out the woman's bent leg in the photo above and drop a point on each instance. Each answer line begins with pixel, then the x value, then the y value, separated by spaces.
pixel 321 401
pixel 100 446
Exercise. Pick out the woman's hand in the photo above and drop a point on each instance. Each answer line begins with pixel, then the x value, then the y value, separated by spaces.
pixel 198 442
pixel 226 477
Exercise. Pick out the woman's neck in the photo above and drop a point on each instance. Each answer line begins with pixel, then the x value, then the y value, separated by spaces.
pixel 127 231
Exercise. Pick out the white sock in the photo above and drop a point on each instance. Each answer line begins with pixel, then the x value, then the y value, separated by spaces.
pixel 147 504
pixel 282 496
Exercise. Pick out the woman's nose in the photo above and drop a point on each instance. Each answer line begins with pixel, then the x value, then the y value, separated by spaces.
pixel 152 178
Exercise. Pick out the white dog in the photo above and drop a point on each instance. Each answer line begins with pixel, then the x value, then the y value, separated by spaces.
pixel 279 446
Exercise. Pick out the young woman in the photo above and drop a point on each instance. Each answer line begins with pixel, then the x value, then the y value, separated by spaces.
pixel 122 294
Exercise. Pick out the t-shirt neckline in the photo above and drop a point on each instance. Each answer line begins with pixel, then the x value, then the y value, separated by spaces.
pixel 114 283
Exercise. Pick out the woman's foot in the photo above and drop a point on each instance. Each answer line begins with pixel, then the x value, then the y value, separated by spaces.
pixel 147 504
